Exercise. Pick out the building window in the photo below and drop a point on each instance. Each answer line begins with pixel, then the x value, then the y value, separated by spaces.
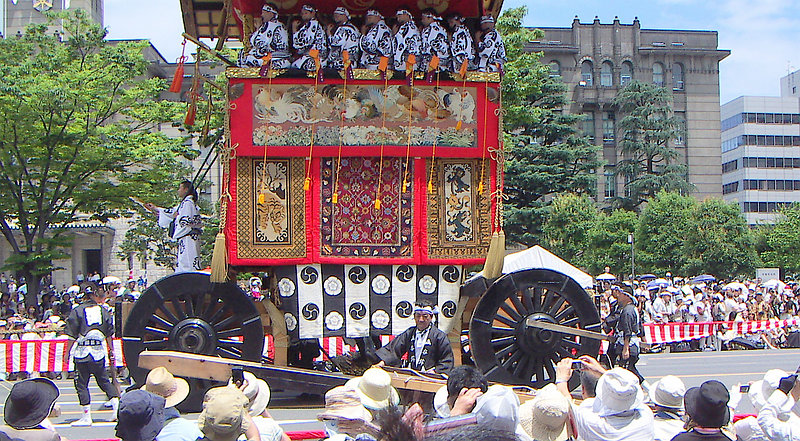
pixel 658 74
pixel 626 74
pixel 611 184
pixel 606 74
pixel 733 187
pixel 587 126
pixel 587 76
pixel 730 166
pixel 677 76
pixel 555 69
pixel 608 128
pixel 680 136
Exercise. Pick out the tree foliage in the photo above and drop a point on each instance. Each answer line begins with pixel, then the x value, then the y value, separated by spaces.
pixel 78 136
pixel 545 153
pixel 647 128
pixel 569 227
pixel 782 240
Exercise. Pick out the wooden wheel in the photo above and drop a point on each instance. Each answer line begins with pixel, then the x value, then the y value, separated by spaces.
pixel 186 312
pixel 507 350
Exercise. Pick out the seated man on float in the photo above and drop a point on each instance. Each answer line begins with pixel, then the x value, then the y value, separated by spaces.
pixel 491 50
pixel 271 39
pixel 376 40
pixel 425 346
pixel 308 36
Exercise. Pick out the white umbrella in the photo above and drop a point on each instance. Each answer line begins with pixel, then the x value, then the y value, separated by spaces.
pixel 774 284
pixel 657 283
pixel 737 285
pixel 606 276
pixel 111 279
pixel 74 289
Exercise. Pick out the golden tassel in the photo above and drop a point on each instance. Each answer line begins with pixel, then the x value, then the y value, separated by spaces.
pixel 490 267
pixel 219 260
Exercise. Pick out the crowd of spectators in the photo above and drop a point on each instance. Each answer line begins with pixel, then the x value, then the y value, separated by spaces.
pixel 606 405
pixel 683 300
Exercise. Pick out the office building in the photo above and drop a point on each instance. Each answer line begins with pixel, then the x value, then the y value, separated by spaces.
pixel 18 14
pixel 761 152
pixel 595 60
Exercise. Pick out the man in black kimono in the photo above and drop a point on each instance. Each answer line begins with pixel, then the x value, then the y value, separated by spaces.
pixel 424 346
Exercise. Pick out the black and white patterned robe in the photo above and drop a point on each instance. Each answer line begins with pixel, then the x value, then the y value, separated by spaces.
pixel 434 41
pixel 272 38
pixel 491 50
pixel 345 37
pixel 461 47
pixel 188 228
pixel 309 36
pixel 406 42
pixel 376 43
pixel 437 354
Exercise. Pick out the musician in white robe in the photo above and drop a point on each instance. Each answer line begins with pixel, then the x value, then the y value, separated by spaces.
pixel 376 41
pixel 461 45
pixel 306 37
pixel 491 50
pixel 433 42
pixel 406 40
pixel 186 229
pixel 344 37
pixel 270 38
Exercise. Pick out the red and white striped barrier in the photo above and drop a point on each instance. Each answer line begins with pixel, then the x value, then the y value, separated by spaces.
pixel 43 355
pixel 655 333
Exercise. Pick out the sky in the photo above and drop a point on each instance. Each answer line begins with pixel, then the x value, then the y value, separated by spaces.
pixel 762 35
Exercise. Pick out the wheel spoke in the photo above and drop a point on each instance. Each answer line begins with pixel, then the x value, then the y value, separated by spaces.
pixel 527 299
pixel 570 322
pixel 170 316
pixel 155 344
pixel 564 314
pixel 212 302
pixel 537 299
pixel 162 322
pixel 512 359
pixel 502 330
pixel 189 306
pixel 504 352
pixel 156 331
pixel 548 299
pixel 498 342
pixel 570 343
pixel 505 320
pixel 549 367
pixel 230 342
pixel 538 369
pixel 510 311
pixel 557 305
pixel 229 332
pixel 224 323
pixel 518 304
pixel 216 315
pixel 229 351
pixel 522 368
pixel 176 303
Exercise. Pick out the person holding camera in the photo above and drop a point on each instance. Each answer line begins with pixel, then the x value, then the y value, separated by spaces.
pixel 769 418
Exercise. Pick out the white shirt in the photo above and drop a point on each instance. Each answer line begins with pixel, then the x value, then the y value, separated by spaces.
pixel 747 429
pixel 770 422
pixel 420 338
pixel 629 426
pixel 664 429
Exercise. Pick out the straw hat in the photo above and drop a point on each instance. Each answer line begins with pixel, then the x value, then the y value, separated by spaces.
pixel 257 392
pixel 618 390
pixel 375 389
pixel 223 415
pixel 162 383
pixel 668 392
pixel 344 403
pixel 544 417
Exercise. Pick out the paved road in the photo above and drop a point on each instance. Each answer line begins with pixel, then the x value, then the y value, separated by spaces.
pixel 300 414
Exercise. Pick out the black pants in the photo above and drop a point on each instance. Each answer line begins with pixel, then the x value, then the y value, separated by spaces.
pixel 84 370
pixel 630 363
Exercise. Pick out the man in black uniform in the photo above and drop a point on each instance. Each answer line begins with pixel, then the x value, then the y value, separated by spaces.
pixel 87 326
pixel 425 346
pixel 627 330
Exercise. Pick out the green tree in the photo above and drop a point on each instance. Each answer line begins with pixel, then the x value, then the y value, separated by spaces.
pixel 545 153
pixel 647 129
pixel 568 228
pixel 782 240
pixel 719 241
pixel 608 243
pixel 78 136
pixel 661 232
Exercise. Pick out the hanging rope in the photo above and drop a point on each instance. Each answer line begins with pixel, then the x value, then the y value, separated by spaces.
pixel 410 75
pixel 435 138
pixel 262 197
pixel 382 67
pixel 177 78
pixel 463 72
pixel 484 148
pixel 346 61
pixel 194 94
pixel 314 53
